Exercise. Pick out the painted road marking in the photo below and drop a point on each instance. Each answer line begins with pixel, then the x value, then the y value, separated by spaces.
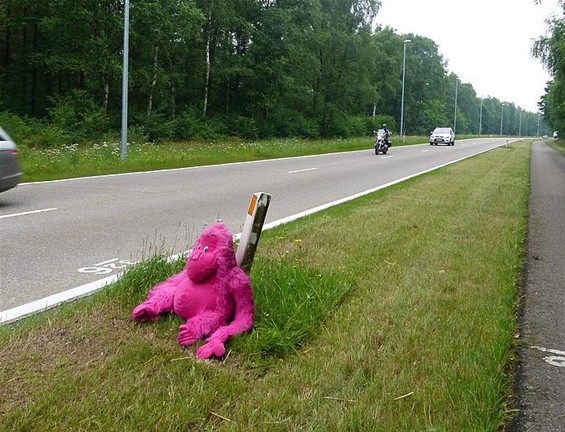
pixel 55 300
pixel 554 360
pixel 302 170
pixel 107 267
pixel 27 213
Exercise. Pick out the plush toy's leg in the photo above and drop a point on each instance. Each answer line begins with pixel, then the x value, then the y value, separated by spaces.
pixel 216 343
pixel 215 348
pixel 159 300
pixel 199 326
pixel 242 322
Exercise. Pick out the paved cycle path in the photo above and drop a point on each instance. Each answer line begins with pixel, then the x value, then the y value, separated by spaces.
pixel 541 378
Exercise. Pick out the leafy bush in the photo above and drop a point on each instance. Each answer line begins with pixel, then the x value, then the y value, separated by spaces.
pixel 94 125
pixel 378 121
pixel 77 113
pixel 432 118
pixel 48 136
pixel 243 127
pixel 192 125
pixel 357 126
pixel 334 123
pixel 304 127
pixel 157 126
pixel 137 135
pixel 18 128
pixel 33 133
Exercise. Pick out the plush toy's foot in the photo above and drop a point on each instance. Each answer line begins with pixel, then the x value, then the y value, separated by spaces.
pixel 188 335
pixel 213 348
pixel 144 312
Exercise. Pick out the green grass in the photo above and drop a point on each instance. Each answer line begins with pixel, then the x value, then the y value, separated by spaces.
pixel 105 158
pixel 392 312
pixel 558 145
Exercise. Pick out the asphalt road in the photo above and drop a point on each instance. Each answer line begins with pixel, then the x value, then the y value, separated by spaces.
pixel 55 236
pixel 541 378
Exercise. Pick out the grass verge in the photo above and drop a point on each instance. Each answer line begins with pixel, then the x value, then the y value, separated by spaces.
pixel 558 145
pixel 392 312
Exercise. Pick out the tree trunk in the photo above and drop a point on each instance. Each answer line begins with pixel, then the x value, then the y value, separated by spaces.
pixel 34 75
pixel 227 44
pixel 154 81
pixel 24 51
pixel 173 99
pixel 228 96
pixel 207 79
pixel 8 37
pixel 106 95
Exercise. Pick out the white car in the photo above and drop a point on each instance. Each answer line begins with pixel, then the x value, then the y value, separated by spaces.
pixel 442 135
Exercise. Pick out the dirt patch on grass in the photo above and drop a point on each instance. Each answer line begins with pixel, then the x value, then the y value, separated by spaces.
pixel 31 359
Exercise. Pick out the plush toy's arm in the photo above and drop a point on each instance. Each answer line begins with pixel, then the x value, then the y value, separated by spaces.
pixel 242 321
pixel 159 300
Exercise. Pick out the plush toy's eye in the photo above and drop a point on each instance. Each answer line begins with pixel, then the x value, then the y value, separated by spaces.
pixel 205 248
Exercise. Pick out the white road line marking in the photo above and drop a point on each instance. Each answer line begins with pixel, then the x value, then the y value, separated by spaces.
pixel 552 351
pixel 27 213
pixel 554 360
pixel 55 300
pixel 424 151
pixel 386 157
pixel 302 170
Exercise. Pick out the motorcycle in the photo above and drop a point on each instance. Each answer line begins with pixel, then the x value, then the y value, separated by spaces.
pixel 382 142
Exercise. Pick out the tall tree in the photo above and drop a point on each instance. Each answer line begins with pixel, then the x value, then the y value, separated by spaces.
pixel 164 34
pixel 550 51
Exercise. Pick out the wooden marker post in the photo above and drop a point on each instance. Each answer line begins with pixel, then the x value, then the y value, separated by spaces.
pixel 256 214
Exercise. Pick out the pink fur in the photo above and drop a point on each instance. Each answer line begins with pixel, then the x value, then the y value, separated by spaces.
pixel 213 294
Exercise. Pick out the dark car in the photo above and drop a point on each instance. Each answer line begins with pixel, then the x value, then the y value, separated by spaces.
pixel 442 135
pixel 10 171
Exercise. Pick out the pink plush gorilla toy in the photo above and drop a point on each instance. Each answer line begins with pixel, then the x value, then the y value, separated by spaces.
pixel 213 294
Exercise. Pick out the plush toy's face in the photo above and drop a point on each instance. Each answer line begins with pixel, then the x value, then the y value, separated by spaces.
pixel 203 261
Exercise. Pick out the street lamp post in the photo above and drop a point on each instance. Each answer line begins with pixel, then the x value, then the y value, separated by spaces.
pixel 481 118
pixel 406 41
pixel 125 82
pixel 520 127
pixel 501 117
pixel 455 113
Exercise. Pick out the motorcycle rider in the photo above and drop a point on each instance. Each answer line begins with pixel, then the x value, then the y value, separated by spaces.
pixel 387 134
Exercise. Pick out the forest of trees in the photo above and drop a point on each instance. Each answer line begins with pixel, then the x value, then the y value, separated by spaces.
pixel 248 68
pixel 551 51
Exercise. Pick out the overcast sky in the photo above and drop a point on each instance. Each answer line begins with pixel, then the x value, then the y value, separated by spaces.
pixel 486 42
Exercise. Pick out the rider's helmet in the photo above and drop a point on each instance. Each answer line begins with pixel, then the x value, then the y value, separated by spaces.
pixel 384 125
